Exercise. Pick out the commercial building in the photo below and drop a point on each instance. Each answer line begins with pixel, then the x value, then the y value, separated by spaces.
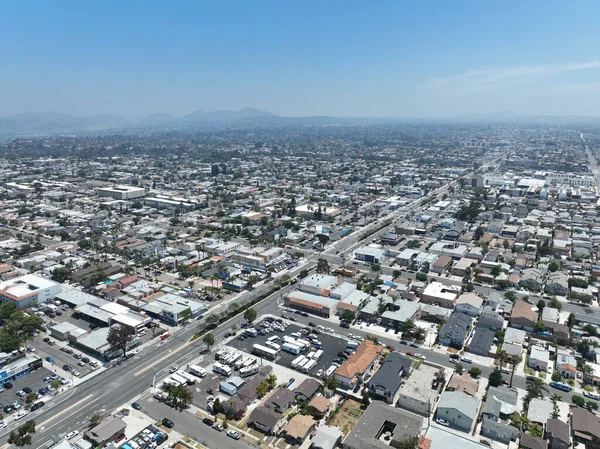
pixel 441 295
pixel 26 289
pixel 121 192
pixel 15 367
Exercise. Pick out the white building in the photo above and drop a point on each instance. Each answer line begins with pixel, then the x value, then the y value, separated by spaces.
pixel 26 289
pixel 122 192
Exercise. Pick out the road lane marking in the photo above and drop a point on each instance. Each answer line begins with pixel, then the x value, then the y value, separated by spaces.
pixel 166 356
pixel 62 412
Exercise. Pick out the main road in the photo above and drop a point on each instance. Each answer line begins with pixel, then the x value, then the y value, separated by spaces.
pixel 117 385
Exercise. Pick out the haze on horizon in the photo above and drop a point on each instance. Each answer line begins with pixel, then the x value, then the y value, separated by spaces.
pixel 337 58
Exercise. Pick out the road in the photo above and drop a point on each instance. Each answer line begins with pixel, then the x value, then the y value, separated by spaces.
pixel 118 385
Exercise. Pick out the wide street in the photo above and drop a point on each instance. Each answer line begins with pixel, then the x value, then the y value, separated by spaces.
pixel 112 388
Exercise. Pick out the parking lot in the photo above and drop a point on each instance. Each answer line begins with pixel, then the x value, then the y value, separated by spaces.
pixel 331 346
pixel 61 358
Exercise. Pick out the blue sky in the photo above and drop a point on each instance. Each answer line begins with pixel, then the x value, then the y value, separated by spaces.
pixel 341 58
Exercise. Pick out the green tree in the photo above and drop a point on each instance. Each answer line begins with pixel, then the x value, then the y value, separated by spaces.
pixel 7 309
pixel 536 387
pixel 186 314
pixel 495 379
pixel 408 442
pixel 553 266
pixel 593 405
pixel 332 383
pixel 250 315
pixel 376 268
pixel 475 372
pixel 459 368
pixel 539 326
pixel 556 377
pixel 61 274
pixel 535 430
pixel 365 399
pixel 209 339
pixel 23 435
pixel 348 315
pixel 496 270
pixel 421 277
pixel 95 419
pixel 322 266
pixel 541 304
pixel 578 400
pixel 120 337
pixel 303 274
pixel 510 295
pixel 571 321
pixel 55 384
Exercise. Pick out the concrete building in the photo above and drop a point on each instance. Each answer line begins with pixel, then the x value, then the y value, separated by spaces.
pixel 419 392
pixel 358 365
pixel 469 303
pixel 121 192
pixel 441 295
pixel 369 254
pixel 26 289
pixel 458 409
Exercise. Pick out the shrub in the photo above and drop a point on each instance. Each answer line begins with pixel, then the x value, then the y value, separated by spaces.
pixel 578 400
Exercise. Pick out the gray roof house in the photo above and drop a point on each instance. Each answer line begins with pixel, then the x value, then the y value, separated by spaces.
pixel 454 331
pixel 458 409
pixel 281 400
pixel 500 403
pixel 307 389
pixel 380 421
pixel 557 284
pixel 490 319
pixel 267 420
pixel 498 431
pixel 386 382
pixel 540 410
pixel 532 279
pixel 482 341
pixel 558 434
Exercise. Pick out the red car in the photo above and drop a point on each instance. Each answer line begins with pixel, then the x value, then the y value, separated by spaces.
pixel 165 336
pixel 120 438
pixel 410 353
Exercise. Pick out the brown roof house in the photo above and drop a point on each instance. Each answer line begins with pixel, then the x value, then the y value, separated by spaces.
pixel 266 420
pixel 557 433
pixel 586 428
pixel 281 400
pixel 307 389
pixel 106 430
pixel 299 428
pixel 321 405
pixel 529 442
pixel 358 365
pixel 440 264
pixel 464 383
pixel 523 316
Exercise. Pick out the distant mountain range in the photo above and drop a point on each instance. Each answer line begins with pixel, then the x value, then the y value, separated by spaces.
pixel 44 123
pixel 32 124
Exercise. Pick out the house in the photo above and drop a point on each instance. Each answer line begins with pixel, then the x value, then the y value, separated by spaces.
pixel 469 303
pixel 440 294
pixel 558 434
pixel 381 426
pixel 320 404
pixel 557 284
pixel 498 431
pixel 299 428
pixel 307 389
pixel 454 332
pixel 529 442
pixel 540 410
pixel 539 358
pixel 327 437
pixel 358 365
pixel 27 289
pixel 464 266
pixel 232 385
pixel 441 264
pixel 385 383
pixel 420 390
pixel 266 420
pixel 234 406
pixel 106 430
pixel 501 402
pixel 463 382
pixel 482 342
pixel 490 319
pixel 523 316
pixel 532 279
pixel 458 409
pixel 282 400
pixel 566 365
pixel 586 427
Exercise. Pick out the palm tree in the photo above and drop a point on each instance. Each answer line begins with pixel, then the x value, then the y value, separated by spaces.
pixel 501 356
pixel 555 398
pixel 168 388
pixel 514 360
pixel 536 387
pixel 588 371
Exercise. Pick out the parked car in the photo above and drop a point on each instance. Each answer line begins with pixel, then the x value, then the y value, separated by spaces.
pixel 218 427
pixel 72 434
pixel 168 423
pixel 136 406
pixel 233 434
pixel 208 421
pixel 27 390
pixel 442 422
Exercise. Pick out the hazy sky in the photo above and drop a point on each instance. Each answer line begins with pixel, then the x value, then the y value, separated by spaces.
pixel 343 58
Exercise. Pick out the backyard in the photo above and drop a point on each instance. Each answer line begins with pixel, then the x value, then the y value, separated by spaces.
pixel 347 416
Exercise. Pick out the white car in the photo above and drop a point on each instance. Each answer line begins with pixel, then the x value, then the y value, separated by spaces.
pixel 442 422
pixel 420 356
pixel 2 424
pixel 21 414
pixel 72 434
pixel 233 434
pixel 319 373
pixel 320 327
pixel 173 369
pixel 330 330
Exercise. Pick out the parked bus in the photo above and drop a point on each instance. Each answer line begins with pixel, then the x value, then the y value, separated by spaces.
pixel 220 353
pixel 291 348
pixel 302 363
pixel 311 354
pixel 352 345
pixel 224 370
pixel 304 344
pixel 249 370
pixel 560 386
pixel 197 370
pixel 309 365
pixel 273 339
pixel 330 371
pixel 190 380
pixel 288 339
pixel 297 361
pixel 318 354
pixel 263 351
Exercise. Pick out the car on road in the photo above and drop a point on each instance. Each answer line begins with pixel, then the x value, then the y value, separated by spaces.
pixel 319 373
pixel 67 368
pixel 466 360
pixel 72 434
pixel 228 334
pixel 233 434
pixel 46 340
pixel 292 319
pixel 208 422
pixel 173 369
pixel 37 406
pixel 21 414
pixel 420 356
pixel 168 423
pixel 165 336
pixel 218 427
pixel 77 356
pixel 442 422
pixel 311 324
pixel 412 354
pixel 414 345
pixel 81 363
pixel 136 406
pixel 49 359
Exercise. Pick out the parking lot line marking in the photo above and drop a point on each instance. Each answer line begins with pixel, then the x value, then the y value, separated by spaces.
pixel 62 412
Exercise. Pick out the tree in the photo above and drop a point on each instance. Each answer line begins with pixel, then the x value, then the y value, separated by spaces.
pixel 514 360
pixel 376 268
pixel 186 314
pixel 578 400
pixel 209 339
pixel 95 419
pixel 510 295
pixel 540 305
pixel 61 274
pixel 322 266
pixel 396 274
pixel 556 397
pixel 182 396
pixel 348 315
pixel 23 436
pixel 593 405
pixel 323 239
pixel 303 274
pixel 469 287
pixel 459 368
pixel 539 326
pixel 495 379
pixel 365 399
pixel 332 383
pixel 496 270
pixel 555 411
pixel 214 170
pixel 422 277
pixel 553 266
pixel 250 315
pixel 535 430
pixel 500 336
pixel 536 387
pixel 571 321
pixel 271 381
pixel 7 309
pixel 475 372
pixel 120 337
pixel 55 384
pixel 556 377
